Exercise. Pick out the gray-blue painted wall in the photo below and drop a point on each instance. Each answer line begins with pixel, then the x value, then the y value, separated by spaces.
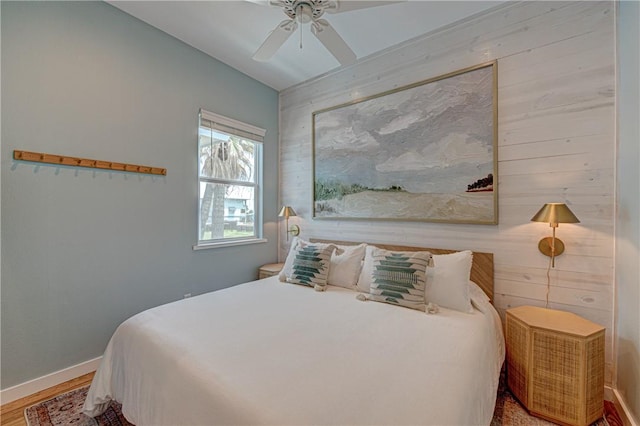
pixel 83 250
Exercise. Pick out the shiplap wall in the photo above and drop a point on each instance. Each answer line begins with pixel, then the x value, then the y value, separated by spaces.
pixel 556 143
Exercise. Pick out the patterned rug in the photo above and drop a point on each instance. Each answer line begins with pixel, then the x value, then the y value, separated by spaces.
pixel 66 409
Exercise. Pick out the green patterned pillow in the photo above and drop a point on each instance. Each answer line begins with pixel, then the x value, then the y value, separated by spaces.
pixel 399 277
pixel 310 265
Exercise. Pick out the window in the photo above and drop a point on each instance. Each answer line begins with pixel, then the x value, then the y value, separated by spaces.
pixel 229 180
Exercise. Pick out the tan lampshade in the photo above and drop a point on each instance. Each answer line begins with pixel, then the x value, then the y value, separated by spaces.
pixel 287 212
pixel 554 213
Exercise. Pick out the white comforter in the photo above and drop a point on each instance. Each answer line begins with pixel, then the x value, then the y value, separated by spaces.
pixel 266 352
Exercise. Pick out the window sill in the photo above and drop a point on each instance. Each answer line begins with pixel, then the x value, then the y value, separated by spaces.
pixel 229 244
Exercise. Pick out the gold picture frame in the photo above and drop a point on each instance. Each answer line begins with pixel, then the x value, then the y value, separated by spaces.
pixel 426 151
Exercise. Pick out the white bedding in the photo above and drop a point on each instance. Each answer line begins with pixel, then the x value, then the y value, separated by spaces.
pixel 267 352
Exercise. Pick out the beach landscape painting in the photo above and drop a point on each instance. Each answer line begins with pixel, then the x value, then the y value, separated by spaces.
pixel 423 152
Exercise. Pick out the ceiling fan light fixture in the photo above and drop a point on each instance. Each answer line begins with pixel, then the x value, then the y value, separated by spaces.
pixel 304 13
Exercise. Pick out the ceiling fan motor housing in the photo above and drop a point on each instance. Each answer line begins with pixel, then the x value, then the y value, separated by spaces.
pixel 311 9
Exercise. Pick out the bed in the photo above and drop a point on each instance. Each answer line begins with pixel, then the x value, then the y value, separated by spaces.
pixel 272 352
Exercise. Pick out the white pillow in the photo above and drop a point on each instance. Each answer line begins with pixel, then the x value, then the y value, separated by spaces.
pixel 364 280
pixel 346 263
pixel 398 277
pixel 448 281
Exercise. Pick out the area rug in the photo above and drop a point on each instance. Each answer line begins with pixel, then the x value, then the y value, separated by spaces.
pixel 66 409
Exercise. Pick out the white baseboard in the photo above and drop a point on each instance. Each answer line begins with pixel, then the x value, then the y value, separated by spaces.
pixel 623 409
pixel 41 383
pixel 608 394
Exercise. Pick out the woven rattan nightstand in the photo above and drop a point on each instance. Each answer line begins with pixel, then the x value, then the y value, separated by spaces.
pixel 555 364
pixel 269 270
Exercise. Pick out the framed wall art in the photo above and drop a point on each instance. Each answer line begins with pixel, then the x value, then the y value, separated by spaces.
pixel 422 152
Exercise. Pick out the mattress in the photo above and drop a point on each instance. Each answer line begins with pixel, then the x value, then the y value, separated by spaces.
pixel 267 352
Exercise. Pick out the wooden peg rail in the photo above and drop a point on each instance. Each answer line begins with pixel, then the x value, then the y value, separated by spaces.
pixel 63 160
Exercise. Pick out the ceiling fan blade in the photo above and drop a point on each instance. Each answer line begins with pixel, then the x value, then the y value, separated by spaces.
pixel 333 42
pixel 276 39
pixel 346 6
pixel 278 3
pixel 260 2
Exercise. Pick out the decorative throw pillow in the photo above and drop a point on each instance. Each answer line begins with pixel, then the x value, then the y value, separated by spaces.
pixel 288 262
pixel 399 277
pixel 308 264
pixel 448 281
pixel 346 262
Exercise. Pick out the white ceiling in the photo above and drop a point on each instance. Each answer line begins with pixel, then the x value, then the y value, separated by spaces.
pixel 231 31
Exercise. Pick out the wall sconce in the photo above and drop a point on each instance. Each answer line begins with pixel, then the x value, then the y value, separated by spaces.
pixel 287 212
pixel 553 214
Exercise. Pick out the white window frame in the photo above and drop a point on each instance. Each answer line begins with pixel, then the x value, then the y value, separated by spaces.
pixel 253 133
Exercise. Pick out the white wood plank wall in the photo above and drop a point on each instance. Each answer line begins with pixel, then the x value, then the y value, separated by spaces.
pixel 556 128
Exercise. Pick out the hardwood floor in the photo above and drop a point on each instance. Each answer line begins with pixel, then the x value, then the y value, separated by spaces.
pixel 12 414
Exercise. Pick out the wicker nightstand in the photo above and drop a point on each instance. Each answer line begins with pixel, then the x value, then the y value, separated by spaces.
pixel 555 364
pixel 269 270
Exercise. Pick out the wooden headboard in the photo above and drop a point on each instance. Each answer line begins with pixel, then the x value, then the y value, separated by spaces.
pixel 481 268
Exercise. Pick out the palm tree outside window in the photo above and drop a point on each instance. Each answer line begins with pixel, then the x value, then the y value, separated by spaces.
pixel 230 181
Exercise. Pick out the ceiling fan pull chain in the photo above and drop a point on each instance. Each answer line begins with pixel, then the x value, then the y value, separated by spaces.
pixel 300 16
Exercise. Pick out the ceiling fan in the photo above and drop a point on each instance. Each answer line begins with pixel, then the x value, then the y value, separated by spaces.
pixel 310 11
